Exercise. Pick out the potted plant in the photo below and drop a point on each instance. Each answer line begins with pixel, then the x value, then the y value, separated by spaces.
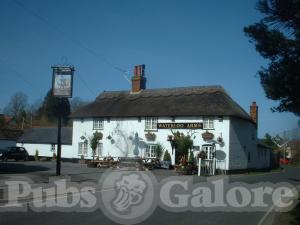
pixel 36 156
pixel 94 140
pixel 166 163
pixel 184 167
pixel 150 136
pixel 207 136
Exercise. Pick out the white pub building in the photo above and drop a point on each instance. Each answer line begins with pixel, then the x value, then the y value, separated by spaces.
pixel 134 122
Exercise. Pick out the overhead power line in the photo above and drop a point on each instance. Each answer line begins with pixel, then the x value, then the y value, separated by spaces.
pixel 75 41
pixel 18 74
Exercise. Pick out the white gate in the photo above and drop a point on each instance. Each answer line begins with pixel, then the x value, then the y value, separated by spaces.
pixel 207 167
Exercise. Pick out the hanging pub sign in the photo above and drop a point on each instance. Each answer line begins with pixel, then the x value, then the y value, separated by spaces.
pixel 179 125
pixel 62 81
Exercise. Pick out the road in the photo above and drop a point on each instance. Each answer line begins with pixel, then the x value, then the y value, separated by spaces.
pixel 40 171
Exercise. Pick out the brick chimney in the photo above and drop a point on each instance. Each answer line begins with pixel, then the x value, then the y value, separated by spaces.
pixel 138 80
pixel 254 112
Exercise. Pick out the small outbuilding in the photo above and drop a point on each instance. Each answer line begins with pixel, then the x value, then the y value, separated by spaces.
pixel 44 140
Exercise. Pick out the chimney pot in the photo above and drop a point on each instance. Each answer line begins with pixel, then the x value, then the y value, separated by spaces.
pixel 135 71
pixel 254 112
pixel 138 80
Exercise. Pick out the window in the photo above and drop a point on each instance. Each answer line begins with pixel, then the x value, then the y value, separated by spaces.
pixel 209 151
pixel 99 151
pixel 208 123
pixel 82 148
pixel 98 124
pixel 151 123
pixel 150 151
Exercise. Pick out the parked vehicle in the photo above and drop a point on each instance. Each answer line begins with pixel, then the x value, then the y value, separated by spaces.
pixel 16 153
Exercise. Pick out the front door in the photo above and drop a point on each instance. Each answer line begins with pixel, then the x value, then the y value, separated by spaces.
pixel 209 151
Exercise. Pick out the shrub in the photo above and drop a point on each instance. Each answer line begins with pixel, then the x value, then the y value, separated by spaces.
pixel 167 156
pixel 192 158
pixel 183 143
pixel 94 140
pixel 159 151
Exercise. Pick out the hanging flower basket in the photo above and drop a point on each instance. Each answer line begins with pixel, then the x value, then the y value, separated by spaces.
pixel 220 140
pixel 207 136
pixel 170 138
pixel 150 136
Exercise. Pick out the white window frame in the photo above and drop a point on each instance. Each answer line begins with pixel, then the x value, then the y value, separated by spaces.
pixel 150 151
pixel 151 123
pixel 82 148
pixel 98 124
pixel 208 124
pixel 99 151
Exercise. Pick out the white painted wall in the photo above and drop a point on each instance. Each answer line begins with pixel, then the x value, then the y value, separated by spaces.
pixel 240 137
pixel 243 139
pixel 132 126
pixel 45 149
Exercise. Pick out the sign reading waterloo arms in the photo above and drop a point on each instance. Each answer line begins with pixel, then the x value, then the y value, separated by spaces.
pixel 179 125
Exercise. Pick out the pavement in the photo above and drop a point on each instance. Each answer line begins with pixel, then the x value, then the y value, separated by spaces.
pixel 40 172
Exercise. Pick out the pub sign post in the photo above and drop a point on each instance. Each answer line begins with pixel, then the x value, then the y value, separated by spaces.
pixel 62 88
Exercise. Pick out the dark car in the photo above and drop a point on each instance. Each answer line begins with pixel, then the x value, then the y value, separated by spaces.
pixel 16 153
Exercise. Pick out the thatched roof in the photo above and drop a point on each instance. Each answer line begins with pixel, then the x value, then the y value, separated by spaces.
pixel 186 101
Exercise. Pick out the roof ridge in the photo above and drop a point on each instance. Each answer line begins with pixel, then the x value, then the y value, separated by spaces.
pixel 171 88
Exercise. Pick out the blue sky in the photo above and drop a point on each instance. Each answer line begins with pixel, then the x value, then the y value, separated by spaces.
pixel 182 43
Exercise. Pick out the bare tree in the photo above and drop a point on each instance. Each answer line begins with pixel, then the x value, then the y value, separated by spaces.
pixel 17 107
